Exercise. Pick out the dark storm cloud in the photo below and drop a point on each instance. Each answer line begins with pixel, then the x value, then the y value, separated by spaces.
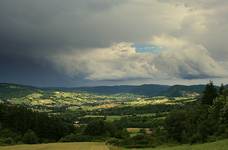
pixel 38 26
pixel 31 30
pixel 19 69
pixel 47 25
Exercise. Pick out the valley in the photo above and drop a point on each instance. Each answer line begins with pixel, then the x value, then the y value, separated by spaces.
pixel 80 104
pixel 111 120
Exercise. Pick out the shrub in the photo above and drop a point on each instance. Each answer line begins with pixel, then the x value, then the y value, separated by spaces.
pixel 114 141
pixel 9 141
pixel 5 133
pixel 96 128
pixel 76 138
pixel 138 141
pixel 30 137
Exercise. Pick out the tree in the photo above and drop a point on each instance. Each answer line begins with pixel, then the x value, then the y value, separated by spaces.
pixel 209 94
pixel 95 128
pixel 221 89
pixel 30 137
pixel 175 125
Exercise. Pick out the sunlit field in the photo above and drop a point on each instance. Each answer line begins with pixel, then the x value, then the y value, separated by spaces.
pixel 59 146
pixel 220 145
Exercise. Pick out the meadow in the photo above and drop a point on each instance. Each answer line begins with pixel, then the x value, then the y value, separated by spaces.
pixel 59 146
pixel 219 145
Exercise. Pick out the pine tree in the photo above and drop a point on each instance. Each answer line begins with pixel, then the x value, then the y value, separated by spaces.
pixel 209 94
pixel 221 89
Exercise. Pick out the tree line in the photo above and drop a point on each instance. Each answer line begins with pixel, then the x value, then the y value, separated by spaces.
pixel 19 124
pixel 205 121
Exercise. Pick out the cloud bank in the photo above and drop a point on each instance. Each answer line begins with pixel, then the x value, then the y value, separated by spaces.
pixel 78 41
pixel 177 59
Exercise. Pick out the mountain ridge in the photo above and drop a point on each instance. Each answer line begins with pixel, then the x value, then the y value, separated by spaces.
pixel 145 89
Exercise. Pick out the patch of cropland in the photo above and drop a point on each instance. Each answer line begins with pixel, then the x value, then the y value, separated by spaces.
pixel 137 111
pixel 59 100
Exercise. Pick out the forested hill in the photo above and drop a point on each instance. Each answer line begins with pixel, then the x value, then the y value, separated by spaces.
pixel 8 90
pixel 15 90
pixel 147 90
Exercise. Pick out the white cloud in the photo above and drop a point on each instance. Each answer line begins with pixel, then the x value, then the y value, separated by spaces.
pixel 117 62
pixel 184 59
pixel 205 23
pixel 179 59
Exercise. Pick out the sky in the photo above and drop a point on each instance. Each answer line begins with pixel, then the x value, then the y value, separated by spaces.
pixel 112 42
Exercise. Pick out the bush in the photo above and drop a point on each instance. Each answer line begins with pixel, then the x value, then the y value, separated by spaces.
pixel 77 138
pixel 196 138
pixel 96 128
pixel 138 141
pixel 9 141
pixel 30 137
pixel 175 124
pixel 114 141
pixel 5 133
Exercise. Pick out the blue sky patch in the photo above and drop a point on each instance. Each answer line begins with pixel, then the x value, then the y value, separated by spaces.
pixel 147 48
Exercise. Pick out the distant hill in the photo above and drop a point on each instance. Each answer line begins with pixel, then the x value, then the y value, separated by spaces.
pixel 147 90
pixel 16 90
pixel 181 90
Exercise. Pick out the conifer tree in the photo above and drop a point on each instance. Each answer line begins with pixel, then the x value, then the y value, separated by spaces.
pixel 221 89
pixel 209 94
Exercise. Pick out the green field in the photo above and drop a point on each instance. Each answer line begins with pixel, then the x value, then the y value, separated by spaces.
pixel 220 145
pixel 59 146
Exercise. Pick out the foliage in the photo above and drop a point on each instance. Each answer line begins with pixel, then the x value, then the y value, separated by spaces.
pixel 203 122
pixel 77 138
pixel 17 120
pixel 105 129
pixel 8 91
pixel 138 141
pixel 30 137
pixel 209 94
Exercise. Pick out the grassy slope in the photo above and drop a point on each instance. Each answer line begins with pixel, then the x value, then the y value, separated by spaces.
pixel 220 145
pixel 59 146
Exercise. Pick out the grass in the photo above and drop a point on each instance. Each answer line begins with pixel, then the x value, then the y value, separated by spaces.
pixel 59 146
pixel 108 118
pixel 220 145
